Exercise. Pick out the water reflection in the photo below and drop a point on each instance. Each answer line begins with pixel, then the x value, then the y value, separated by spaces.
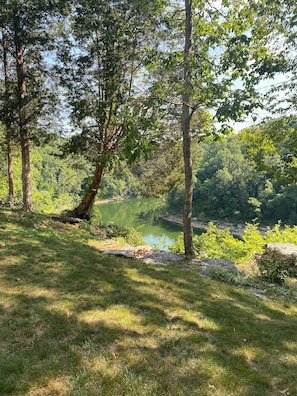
pixel 141 214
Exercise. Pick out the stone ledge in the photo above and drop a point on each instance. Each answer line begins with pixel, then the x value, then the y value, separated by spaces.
pixel 285 249
pixel 158 257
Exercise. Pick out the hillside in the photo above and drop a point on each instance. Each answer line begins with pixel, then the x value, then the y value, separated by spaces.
pixel 76 322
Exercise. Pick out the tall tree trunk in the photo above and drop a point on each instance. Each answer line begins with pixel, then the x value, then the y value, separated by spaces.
pixel 22 107
pixel 10 171
pixel 186 119
pixel 84 208
pixel 8 123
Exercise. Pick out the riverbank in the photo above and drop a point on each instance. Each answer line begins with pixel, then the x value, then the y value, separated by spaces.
pixel 141 214
pixel 236 230
pixel 108 200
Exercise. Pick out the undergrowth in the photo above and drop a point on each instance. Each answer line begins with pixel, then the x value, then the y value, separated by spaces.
pixel 221 244
pixel 125 235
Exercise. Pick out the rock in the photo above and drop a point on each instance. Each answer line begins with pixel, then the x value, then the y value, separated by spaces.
pixel 158 257
pixel 285 249
pixel 119 253
pixel 140 251
pixel 161 257
pixel 129 251
pixel 236 230
pixel 146 254
pixel 208 265
pixel 258 293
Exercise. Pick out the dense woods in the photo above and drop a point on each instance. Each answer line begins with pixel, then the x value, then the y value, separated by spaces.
pixel 235 180
pixel 126 98
pixel 247 176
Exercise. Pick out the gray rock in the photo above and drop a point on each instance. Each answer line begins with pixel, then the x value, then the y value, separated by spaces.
pixel 285 249
pixel 208 265
pixel 161 257
pixel 157 257
pixel 130 252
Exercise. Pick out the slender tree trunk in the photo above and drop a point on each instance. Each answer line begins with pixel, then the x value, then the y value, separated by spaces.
pixel 10 172
pixel 7 121
pixel 186 118
pixel 23 125
pixel 84 208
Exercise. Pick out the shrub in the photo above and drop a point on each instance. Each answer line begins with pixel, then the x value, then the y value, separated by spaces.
pixel 281 234
pixel 214 243
pixel 232 277
pixel 130 236
pixel 221 244
pixel 275 267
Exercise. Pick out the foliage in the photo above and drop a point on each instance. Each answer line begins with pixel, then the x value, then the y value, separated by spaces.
pixel 100 62
pixel 272 146
pixel 221 244
pixel 231 185
pixel 215 243
pixel 219 54
pixel 282 234
pixel 24 25
pixel 281 205
pixel 123 234
pixel 26 98
pixel 226 183
pixel 163 170
pixel 275 267
pixel 120 182
pixel 278 19
pixel 57 182
pixel 235 278
pixel 126 235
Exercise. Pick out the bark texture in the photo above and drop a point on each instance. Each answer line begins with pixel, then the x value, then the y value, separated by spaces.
pixel 10 172
pixel 7 121
pixel 84 208
pixel 186 129
pixel 22 107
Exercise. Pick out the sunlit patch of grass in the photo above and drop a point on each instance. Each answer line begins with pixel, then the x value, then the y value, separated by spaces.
pixel 54 386
pixel 116 315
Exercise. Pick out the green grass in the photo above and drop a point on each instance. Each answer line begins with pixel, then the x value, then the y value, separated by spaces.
pixel 76 322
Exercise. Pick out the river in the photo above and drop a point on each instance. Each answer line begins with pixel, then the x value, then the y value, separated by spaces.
pixel 141 214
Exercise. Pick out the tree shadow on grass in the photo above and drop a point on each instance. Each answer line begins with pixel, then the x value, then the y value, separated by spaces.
pixel 76 322
pixel 251 343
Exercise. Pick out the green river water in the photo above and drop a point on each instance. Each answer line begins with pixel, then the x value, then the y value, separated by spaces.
pixel 141 214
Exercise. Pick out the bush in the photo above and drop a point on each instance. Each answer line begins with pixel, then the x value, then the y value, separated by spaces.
pixel 221 244
pixel 232 277
pixel 123 234
pixel 214 243
pixel 275 267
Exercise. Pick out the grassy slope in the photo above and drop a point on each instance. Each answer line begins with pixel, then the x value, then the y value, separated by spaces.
pixel 75 322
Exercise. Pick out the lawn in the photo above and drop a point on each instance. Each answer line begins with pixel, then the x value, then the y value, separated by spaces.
pixel 76 322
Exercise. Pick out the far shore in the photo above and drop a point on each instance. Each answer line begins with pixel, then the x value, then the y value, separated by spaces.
pixel 107 200
pixel 235 229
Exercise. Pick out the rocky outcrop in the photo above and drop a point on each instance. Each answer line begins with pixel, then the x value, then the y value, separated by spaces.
pixel 157 257
pixel 284 249
pixel 208 265
pixel 146 254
